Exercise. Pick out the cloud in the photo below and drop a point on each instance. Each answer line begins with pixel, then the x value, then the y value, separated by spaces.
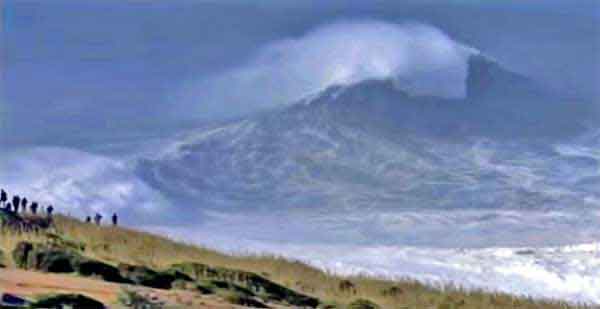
pixel 421 58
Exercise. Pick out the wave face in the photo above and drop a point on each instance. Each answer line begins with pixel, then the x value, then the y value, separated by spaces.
pixel 371 145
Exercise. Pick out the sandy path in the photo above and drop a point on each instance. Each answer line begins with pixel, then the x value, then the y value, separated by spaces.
pixel 28 284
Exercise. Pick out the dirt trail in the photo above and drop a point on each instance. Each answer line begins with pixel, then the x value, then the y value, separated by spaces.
pixel 28 284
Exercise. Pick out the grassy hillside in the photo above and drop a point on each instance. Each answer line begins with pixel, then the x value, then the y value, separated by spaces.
pixel 121 245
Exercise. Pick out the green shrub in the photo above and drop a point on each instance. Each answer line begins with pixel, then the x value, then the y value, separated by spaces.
pixel 363 304
pixel 132 299
pixel 145 276
pixel 75 301
pixel 267 289
pixel 241 299
pixel 2 259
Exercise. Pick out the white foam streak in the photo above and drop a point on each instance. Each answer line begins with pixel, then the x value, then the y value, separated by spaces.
pixel 76 182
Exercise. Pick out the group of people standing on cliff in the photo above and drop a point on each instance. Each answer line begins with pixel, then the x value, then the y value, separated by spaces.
pixel 20 205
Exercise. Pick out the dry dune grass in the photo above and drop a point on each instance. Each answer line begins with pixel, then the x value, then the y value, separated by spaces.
pixel 114 245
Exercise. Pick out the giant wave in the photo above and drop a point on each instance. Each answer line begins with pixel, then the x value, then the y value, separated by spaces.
pixel 508 175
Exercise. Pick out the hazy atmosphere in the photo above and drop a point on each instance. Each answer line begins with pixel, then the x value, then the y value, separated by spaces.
pixel 435 140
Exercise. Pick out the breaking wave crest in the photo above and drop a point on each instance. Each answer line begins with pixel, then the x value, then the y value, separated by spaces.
pixel 422 59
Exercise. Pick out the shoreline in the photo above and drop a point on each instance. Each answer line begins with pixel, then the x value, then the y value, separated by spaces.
pixel 517 258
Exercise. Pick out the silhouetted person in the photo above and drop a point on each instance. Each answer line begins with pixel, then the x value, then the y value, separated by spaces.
pixel 34 207
pixel 16 202
pixel 8 207
pixel 97 218
pixel 24 205
pixel 49 210
pixel 115 219
pixel 3 197
pixel 88 219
